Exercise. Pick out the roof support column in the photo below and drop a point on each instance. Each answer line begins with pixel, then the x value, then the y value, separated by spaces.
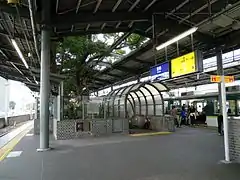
pixel 44 89
pixel 223 104
pixel 220 72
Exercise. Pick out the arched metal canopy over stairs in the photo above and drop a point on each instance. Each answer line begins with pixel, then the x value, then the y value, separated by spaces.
pixel 141 99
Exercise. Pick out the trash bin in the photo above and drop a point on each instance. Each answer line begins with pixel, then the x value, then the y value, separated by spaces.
pixel 170 123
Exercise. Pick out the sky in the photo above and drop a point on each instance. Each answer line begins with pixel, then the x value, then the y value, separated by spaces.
pixel 17 92
pixel 20 94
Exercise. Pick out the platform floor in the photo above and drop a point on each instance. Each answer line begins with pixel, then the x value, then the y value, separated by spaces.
pixel 188 154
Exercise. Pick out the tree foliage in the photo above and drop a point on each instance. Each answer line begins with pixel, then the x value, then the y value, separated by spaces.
pixel 133 41
pixel 75 57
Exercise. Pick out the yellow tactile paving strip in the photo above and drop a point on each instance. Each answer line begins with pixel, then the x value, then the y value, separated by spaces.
pixel 5 150
pixel 150 134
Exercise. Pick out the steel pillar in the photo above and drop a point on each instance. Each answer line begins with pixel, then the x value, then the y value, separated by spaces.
pixel 220 72
pixel 44 90
pixel 223 105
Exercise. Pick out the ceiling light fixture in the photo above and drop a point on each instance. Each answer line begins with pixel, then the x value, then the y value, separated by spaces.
pixel 177 38
pixel 19 53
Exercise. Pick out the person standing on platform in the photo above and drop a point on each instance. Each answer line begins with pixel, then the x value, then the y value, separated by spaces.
pixel 174 114
pixel 220 125
pixel 183 116
pixel 192 115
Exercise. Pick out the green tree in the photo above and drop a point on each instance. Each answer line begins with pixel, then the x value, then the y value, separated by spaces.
pixel 74 55
pixel 134 41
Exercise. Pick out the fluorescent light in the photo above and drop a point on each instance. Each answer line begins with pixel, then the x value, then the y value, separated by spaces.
pixel 19 53
pixel 177 38
pixel 84 88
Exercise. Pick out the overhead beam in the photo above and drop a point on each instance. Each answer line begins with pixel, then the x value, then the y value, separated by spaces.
pixel 101 80
pixel 97 6
pixel 149 5
pixel 116 5
pixel 142 62
pixel 91 31
pixel 78 5
pixel 134 5
pixel 89 17
pixel 126 69
pixel 16 35
pixel 179 28
pixel 10 77
pixel 7 8
pixel 114 75
pixel 13 75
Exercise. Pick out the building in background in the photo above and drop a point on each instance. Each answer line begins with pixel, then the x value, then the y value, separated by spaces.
pixel 18 93
pixel 3 96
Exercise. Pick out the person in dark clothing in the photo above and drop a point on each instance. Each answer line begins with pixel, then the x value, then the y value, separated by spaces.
pixel 192 115
pixel 147 123
pixel 183 115
pixel 174 114
pixel 220 125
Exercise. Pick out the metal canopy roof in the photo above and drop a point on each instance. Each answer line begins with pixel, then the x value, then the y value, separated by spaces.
pixel 81 17
pixel 216 30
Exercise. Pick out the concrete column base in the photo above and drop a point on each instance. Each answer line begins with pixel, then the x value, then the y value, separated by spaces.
pixel 43 150
pixel 224 162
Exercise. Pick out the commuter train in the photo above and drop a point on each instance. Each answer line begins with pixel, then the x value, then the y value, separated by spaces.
pixel 207 103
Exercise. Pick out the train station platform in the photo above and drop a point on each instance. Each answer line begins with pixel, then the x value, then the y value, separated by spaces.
pixel 187 154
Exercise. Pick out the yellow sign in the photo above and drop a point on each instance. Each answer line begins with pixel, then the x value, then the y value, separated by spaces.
pixel 184 65
pixel 217 79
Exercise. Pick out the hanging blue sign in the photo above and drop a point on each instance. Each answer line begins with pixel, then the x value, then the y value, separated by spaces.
pixel 160 72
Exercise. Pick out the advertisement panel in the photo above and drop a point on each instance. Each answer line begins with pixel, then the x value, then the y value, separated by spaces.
pixel 160 72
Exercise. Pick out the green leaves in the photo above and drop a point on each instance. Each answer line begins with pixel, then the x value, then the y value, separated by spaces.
pixel 134 41
pixel 75 56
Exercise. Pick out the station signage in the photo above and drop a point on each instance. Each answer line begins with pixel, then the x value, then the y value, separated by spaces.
pixel 160 72
pixel 186 64
pixel 217 79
